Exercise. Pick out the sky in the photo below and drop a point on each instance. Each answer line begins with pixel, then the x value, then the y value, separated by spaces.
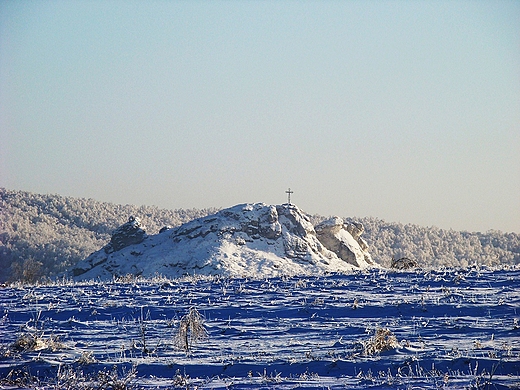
pixel 400 110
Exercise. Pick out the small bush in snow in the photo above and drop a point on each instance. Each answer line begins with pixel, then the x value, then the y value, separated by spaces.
pixel 383 340
pixel 115 381
pixel 191 329
pixel 36 342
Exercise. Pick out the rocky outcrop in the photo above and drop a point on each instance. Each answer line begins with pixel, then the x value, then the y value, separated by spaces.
pixel 255 240
pixel 404 263
pixel 256 225
pixel 130 233
pixel 127 234
pixel 344 239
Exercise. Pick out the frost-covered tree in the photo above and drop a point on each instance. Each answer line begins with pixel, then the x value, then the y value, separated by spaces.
pixel 57 232
pixel 434 247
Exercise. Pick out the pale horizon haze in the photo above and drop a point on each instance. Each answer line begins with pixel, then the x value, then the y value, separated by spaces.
pixel 408 111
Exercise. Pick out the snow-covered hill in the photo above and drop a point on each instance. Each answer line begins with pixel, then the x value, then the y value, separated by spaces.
pixel 255 240
pixel 41 235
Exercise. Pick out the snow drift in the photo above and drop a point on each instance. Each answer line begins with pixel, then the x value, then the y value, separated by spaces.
pixel 247 240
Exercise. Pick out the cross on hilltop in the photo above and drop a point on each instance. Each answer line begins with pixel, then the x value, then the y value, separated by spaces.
pixel 289 192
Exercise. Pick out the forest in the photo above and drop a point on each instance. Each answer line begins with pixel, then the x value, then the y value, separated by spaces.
pixel 42 235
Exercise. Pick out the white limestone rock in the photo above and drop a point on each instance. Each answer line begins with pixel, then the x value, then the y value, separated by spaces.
pixel 249 240
pixel 345 241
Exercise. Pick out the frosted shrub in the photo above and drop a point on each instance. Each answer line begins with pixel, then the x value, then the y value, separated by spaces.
pixel 36 342
pixel 115 381
pixel 191 329
pixel 30 271
pixel 384 340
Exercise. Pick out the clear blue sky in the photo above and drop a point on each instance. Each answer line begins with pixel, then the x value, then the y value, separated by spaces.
pixel 407 111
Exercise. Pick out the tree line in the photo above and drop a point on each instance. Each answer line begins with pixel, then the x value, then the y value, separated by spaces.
pixel 41 236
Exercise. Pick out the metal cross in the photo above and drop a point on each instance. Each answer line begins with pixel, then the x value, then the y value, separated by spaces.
pixel 289 192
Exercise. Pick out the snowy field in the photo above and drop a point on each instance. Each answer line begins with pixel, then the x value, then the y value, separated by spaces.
pixel 438 329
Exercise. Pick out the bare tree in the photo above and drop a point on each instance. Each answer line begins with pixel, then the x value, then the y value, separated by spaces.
pixel 30 271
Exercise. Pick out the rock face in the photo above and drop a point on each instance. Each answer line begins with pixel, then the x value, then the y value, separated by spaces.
pixel 254 240
pixel 127 234
pixel 345 241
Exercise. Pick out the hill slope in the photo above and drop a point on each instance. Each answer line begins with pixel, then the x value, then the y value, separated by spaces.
pixel 56 232
pixel 53 233
pixel 248 240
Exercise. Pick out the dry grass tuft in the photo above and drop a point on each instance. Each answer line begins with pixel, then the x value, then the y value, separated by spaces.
pixel 36 342
pixel 384 340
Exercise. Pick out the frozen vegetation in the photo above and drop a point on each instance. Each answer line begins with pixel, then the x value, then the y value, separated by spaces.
pixel 50 233
pixel 44 235
pixel 277 299
pixel 374 328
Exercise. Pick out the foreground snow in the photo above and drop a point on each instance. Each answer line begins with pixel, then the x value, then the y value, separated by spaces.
pixel 455 329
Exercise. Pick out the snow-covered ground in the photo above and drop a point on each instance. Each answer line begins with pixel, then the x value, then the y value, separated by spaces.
pixel 453 328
